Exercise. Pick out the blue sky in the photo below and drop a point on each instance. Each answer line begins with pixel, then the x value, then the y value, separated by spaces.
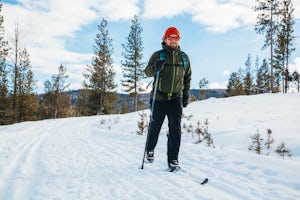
pixel 216 34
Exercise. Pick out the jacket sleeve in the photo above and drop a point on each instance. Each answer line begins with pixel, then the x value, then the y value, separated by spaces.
pixel 187 79
pixel 149 68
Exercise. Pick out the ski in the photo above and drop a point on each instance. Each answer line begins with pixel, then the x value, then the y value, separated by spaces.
pixel 178 169
pixel 174 169
pixel 204 181
pixel 149 161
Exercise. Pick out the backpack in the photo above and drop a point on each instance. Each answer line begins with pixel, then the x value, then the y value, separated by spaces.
pixel 163 57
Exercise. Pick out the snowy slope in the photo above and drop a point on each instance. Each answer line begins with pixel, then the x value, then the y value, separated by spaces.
pixel 99 157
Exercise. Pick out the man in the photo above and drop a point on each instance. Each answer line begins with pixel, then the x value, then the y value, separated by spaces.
pixel 172 93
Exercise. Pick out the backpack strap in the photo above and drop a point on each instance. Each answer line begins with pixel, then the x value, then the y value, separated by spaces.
pixel 163 57
pixel 184 59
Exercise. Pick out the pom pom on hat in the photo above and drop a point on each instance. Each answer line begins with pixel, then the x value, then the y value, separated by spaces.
pixel 170 31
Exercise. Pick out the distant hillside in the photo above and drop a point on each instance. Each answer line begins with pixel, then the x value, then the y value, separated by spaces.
pixel 218 93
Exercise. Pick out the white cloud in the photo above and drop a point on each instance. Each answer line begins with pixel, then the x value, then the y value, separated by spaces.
pixel 48 60
pixel 217 16
pixel 114 10
pixel 155 9
pixel 221 17
pixel 41 26
pixel 295 66
pixel 46 24
pixel 216 85
pixel 297 9
pixel 226 73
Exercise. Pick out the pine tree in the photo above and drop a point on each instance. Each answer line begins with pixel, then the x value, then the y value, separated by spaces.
pixel 267 24
pixel 257 82
pixel 248 80
pixel 4 94
pixel 296 79
pixel 62 104
pixel 110 103
pixel 100 74
pixel 24 102
pixel 82 106
pixel 263 78
pixel 132 66
pixel 235 84
pixel 124 107
pixel 56 101
pixel 279 72
pixel 27 100
pixel 285 41
pixel 15 73
pixel 203 87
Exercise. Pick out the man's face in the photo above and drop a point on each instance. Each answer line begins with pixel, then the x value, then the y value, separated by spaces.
pixel 172 41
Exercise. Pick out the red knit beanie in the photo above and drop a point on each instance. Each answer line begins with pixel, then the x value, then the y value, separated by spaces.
pixel 170 31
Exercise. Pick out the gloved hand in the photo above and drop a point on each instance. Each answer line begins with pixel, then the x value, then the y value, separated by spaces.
pixel 159 65
pixel 185 101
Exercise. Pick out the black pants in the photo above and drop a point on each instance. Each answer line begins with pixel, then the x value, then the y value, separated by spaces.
pixel 173 110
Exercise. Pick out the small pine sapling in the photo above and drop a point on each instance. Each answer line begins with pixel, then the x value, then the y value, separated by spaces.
pixel 207 135
pixel 142 124
pixel 256 143
pixel 199 132
pixel 283 151
pixel 117 119
pixel 270 139
pixel 188 128
pixel 210 141
pixel 193 98
pixel 102 121
pixel 187 117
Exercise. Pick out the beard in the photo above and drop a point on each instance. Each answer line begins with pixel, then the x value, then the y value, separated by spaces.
pixel 173 45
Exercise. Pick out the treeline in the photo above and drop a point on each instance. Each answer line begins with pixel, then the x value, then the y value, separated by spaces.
pixel 19 102
pixel 276 21
pixel 257 79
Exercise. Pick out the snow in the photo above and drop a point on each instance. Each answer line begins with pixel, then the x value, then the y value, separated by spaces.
pixel 99 157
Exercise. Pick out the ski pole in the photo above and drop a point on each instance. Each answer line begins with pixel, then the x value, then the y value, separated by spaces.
pixel 151 117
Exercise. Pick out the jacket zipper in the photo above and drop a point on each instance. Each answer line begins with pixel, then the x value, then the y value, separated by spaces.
pixel 174 74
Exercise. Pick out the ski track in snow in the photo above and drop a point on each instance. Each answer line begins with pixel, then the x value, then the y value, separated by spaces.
pixel 81 158
pixel 21 172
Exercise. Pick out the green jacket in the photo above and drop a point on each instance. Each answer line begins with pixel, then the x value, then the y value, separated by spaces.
pixel 174 80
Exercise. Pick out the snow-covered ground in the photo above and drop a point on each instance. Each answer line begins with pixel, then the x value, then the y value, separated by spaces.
pixel 99 157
